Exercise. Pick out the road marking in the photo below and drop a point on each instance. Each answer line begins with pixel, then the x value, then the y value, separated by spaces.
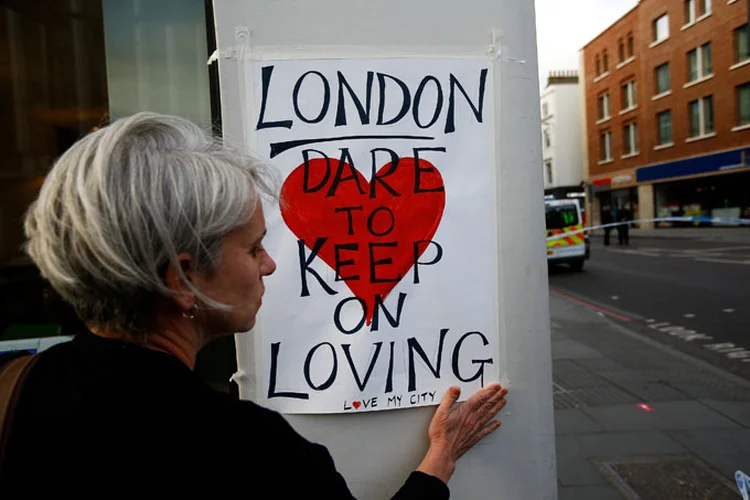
pixel 689 315
pixel 615 297
pixel 711 250
pixel 724 261
pixel 728 310
pixel 635 252
pixel 598 309
pixel 650 321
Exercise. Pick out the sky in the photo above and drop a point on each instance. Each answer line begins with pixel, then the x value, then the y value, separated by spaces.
pixel 563 27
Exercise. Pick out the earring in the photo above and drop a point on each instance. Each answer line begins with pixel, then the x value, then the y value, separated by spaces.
pixel 190 314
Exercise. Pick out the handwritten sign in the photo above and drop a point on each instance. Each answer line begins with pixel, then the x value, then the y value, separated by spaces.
pixel 385 235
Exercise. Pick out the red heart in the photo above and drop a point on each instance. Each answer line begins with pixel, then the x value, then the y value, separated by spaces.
pixel 356 404
pixel 311 213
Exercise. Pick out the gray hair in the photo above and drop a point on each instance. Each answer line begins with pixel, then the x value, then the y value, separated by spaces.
pixel 120 205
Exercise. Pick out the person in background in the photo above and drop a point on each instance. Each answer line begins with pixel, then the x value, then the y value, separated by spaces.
pixel 154 233
pixel 607 219
pixel 623 229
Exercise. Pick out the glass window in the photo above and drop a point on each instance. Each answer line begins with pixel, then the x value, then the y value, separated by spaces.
pixel 548 171
pixel 545 109
pixel 547 138
pixel 631 45
pixel 69 67
pixel 743 104
pixel 689 11
pixel 628 93
pixel 605 61
pixel 620 50
pixel 741 52
pixel 693 65
pixel 603 106
pixel 705 6
pixel 664 121
pixel 701 113
pixel 630 139
pixel 605 146
pixel 662 78
pixel 661 28
pixel 707 65
pixel 598 66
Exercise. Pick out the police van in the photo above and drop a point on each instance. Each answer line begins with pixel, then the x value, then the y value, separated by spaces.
pixel 570 247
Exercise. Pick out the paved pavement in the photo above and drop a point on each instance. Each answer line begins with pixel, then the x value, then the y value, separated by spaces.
pixel 690 294
pixel 637 419
pixel 714 234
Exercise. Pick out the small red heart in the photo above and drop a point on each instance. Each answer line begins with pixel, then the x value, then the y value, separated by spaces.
pixel 318 213
pixel 356 404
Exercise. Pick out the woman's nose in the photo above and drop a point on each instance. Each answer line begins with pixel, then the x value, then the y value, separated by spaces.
pixel 269 266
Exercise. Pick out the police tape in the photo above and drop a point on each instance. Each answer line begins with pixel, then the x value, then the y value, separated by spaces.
pixel 727 221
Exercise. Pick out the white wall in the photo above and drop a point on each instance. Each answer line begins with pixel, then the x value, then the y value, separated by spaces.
pixel 565 124
pixel 376 451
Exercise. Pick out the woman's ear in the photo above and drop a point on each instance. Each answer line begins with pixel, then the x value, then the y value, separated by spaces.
pixel 181 292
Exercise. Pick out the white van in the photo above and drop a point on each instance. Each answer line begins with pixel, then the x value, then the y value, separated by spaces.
pixel 563 217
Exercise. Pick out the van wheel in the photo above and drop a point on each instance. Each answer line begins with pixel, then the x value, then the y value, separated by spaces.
pixel 577 265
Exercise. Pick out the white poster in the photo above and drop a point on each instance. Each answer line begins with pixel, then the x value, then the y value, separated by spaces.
pixel 385 238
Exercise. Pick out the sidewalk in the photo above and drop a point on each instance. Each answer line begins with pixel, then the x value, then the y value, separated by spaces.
pixel 724 234
pixel 686 442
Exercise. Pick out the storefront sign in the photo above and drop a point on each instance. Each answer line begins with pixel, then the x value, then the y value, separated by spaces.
pixel 387 230
pixel 727 160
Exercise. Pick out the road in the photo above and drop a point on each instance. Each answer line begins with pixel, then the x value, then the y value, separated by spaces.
pixel 689 294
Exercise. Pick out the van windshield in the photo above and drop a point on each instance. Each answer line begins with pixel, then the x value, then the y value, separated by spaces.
pixel 559 217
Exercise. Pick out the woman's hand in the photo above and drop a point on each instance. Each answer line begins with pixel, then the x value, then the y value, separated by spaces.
pixel 454 430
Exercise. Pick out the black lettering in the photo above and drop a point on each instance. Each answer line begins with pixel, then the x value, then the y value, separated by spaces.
pixel 371 221
pixel 374 263
pixel 418 169
pixel 337 248
pixel 389 378
pixel 480 362
pixel 418 98
pixel 362 383
pixel 349 216
pixel 334 368
pixel 337 316
pixel 306 158
pixel 326 97
pixel 417 253
pixel 304 267
pixel 266 73
pixel 393 165
pixel 405 102
pixel 450 119
pixel 414 346
pixel 272 382
pixel 394 322
pixel 345 162
pixel 364 111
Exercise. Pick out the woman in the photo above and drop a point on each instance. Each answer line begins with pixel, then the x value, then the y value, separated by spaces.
pixel 153 232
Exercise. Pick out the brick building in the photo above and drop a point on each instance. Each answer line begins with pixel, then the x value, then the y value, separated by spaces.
pixel 666 91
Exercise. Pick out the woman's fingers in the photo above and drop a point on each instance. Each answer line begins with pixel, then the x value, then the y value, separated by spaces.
pixel 450 398
pixel 482 396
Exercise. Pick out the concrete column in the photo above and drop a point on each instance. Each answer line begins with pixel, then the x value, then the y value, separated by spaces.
pixel 645 205
pixel 595 215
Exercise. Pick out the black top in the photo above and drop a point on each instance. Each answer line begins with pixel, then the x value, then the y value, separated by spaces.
pixel 104 418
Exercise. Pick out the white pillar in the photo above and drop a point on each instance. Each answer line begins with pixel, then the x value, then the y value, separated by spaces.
pixel 376 451
pixel 645 205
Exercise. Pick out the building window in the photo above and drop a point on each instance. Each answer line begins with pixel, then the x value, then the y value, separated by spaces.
pixel 548 171
pixel 630 139
pixel 705 7
pixel 620 50
pixel 701 116
pixel 661 76
pixel 631 45
pixel 603 106
pixel 598 65
pixel 743 104
pixel 605 146
pixel 700 62
pixel 605 61
pixel 689 11
pixel 741 52
pixel 661 28
pixel 545 110
pixel 629 100
pixel 547 138
pixel 664 123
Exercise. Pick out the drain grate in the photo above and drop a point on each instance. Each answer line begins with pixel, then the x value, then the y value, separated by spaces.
pixel 657 478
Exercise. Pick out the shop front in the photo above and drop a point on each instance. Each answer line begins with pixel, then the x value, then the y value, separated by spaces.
pixel 616 193
pixel 715 185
